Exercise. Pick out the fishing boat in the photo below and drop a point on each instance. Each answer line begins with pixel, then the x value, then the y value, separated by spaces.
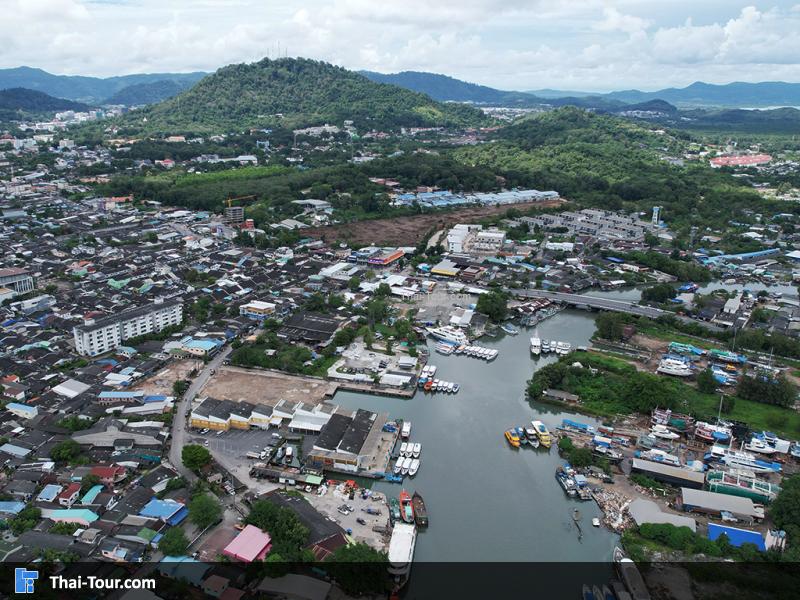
pixel 394 510
pixel 739 484
pixel 661 431
pixel 726 356
pixel 428 386
pixel 449 334
pixel 536 346
pixel 509 329
pixel 542 433
pixel 403 448
pixel 392 478
pixel 420 512
pixel 414 467
pixel 512 437
pixel 406 507
pixel 415 451
pixel 566 482
pixel 406 430
pixel 523 439
pixel 546 346
pixel 405 466
pixel 712 433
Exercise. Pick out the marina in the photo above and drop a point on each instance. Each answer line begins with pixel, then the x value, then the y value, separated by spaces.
pixel 492 400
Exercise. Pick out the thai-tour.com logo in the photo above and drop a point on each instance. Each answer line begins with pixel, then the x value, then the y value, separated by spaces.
pixel 25 582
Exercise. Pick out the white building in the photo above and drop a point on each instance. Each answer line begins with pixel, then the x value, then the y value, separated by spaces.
pixel 98 336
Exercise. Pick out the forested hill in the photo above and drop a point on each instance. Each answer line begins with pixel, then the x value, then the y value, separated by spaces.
pixel 148 93
pixel 612 163
pixel 294 92
pixel 16 101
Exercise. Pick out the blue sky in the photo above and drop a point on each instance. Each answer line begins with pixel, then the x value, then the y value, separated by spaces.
pixel 595 45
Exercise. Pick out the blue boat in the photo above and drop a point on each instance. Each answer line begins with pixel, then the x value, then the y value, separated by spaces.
pixel 392 478
pixel 509 329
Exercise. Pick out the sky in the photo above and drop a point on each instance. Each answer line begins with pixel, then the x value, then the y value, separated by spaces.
pixel 586 45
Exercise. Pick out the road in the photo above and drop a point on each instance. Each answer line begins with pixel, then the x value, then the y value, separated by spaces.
pixel 595 302
pixel 182 410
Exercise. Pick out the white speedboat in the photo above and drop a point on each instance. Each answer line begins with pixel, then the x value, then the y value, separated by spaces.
pixel 398 466
pixel 416 450
pixel 545 346
pixel 671 366
pixel 413 467
pixel 406 430
pixel 759 446
pixel 449 334
pixel 536 346
pixel 405 466
pixel 564 347
pixel 403 448
pixel 661 431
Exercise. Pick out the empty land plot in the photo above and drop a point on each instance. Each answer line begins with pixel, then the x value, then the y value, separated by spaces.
pixel 407 231
pixel 265 387
pixel 161 382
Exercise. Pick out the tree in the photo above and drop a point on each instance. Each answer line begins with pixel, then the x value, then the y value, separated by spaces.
pixel 580 457
pixel 174 542
pixel 610 326
pixel 179 387
pixel 353 283
pixel 204 510
pixel 88 482
pixel 288 533
pixel 195 457
pixel 493 304
pixel 65 451
pixel 706 382
pixel 24 520
pixel 660 293
pixel 359 569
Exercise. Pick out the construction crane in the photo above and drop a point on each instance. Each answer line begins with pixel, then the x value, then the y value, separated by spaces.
pixel 230 200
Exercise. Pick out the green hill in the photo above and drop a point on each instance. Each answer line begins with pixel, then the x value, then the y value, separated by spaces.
pixel 294 92
pixel 148 93
pixel 20 103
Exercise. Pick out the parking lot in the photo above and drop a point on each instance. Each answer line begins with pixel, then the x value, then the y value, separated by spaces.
pixel 335 497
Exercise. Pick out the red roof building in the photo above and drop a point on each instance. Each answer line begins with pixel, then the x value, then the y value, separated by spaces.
pixel 251 544
pixel 745 160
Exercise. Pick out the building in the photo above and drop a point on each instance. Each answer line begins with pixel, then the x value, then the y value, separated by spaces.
pixel 19 281
pixel 257 310
pixel 251 544
pixel 713 503
pixel 234 214
pixel 489 240
pixel 102 335
pixel 308 327
pixel 746 160
pixel 669 474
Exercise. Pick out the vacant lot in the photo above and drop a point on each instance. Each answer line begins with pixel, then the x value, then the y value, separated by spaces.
pixel 161 382
pixel 264 387
pixel 407 231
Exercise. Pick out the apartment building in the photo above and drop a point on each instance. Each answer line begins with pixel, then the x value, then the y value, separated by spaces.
pixel 16 281
pixel 102 335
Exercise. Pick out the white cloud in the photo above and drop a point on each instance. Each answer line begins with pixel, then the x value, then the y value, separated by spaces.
pixel 511 44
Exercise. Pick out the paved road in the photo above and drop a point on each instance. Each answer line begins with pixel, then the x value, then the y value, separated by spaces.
pixel 625 306
pixel 179 419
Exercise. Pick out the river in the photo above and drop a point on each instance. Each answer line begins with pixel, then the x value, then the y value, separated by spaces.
pixel 487 501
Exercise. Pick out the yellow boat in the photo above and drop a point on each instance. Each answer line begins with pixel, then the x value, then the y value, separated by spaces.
pixel 512 438
pixel 542 433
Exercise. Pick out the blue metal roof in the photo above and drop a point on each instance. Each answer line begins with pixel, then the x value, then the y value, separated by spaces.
pixel 736 536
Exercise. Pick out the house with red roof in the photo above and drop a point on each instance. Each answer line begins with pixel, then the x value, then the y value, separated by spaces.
pixel 70 495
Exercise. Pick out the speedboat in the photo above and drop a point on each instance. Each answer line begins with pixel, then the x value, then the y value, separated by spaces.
pixel 661 431
pixel 509 329
pixel 673 366
pixel 521 435
pixel 563 348
pixel 595 522
pixel 403 448
pixel 758 445
pixel 413 467
pixel 456 387
pixel 406 430
pixel 405 466
pixel 542 433
pixel 536 346
pixel 416 450
pixel 545 346
pixel 512 437
pixel 398 466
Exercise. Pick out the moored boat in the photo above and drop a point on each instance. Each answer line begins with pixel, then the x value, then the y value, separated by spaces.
pixel 542 433
pixel 415 451
pixel 414 467
pixel 398 466
pixel 394 510
pixel 536 346
pixel 406 507
pixel 420 510
pixel 406 430
pixel 403 448
pixel 545 346
pixel 509 329
pixel 449 334
pixel 405 466
pixel 512 437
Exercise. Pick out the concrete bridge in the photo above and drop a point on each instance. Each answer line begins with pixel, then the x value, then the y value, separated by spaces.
pixel 581 301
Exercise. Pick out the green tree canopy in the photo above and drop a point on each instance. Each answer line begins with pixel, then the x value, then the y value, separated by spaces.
pixel 204 510
pixel 174 542
pixel 359 569
pixel 493 304
pixel 195 457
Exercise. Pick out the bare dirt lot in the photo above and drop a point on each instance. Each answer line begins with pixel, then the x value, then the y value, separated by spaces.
pixel 161 382
pixel 264 387
pixel 407 231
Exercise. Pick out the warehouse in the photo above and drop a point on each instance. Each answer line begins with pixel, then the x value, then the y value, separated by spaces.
pixel 668 474
pixel 721 505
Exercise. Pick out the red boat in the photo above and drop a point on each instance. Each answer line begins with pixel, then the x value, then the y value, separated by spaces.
pixel 406 507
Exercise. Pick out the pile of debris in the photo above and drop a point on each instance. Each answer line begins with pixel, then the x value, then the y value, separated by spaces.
pixel 615 509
